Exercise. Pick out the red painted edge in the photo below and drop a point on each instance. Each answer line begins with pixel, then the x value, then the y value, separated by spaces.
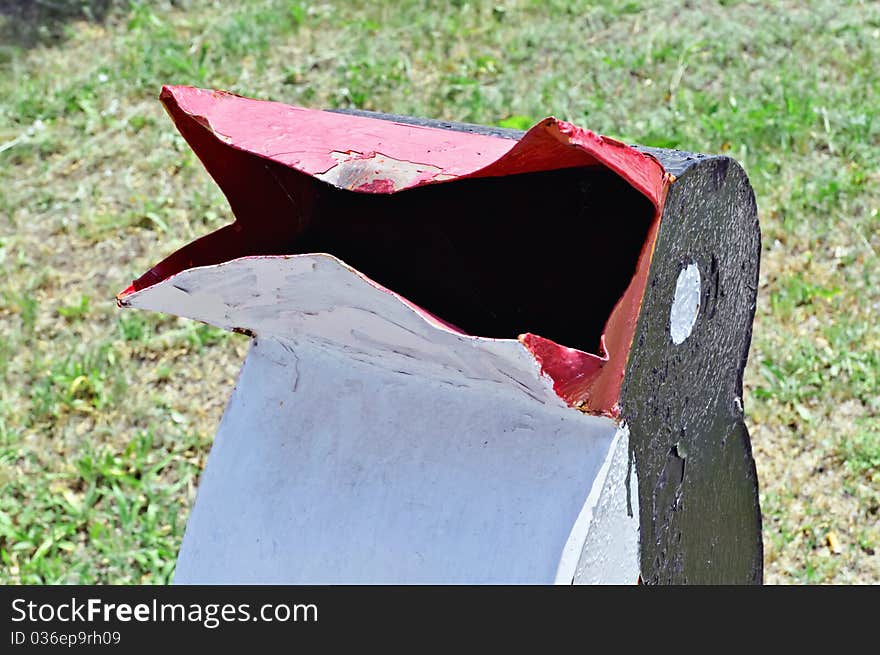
pixel 223 129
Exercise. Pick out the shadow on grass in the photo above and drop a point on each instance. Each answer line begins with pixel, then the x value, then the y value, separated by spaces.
pixel 30 23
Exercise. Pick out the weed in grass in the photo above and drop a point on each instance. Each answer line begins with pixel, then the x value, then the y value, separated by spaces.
pixel 862 455
pixel 75 312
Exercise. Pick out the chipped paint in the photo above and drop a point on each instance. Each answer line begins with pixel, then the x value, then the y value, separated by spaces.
pixel 376 173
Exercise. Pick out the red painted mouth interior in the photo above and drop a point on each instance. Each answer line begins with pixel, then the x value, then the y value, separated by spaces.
pixel 552 236
pixel 548 253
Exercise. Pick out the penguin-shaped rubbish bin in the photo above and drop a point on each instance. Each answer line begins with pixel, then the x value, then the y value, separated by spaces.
pixel 478 355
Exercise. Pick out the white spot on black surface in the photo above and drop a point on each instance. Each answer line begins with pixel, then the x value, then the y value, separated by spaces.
pixel 685 304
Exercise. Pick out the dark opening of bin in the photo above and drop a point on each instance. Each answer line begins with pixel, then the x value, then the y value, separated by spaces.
pixel 548 253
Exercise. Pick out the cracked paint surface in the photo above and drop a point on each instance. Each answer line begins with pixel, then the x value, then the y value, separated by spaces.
pixel 373 172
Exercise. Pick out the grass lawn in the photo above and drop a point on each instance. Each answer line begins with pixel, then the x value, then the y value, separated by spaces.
pixel 106 416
